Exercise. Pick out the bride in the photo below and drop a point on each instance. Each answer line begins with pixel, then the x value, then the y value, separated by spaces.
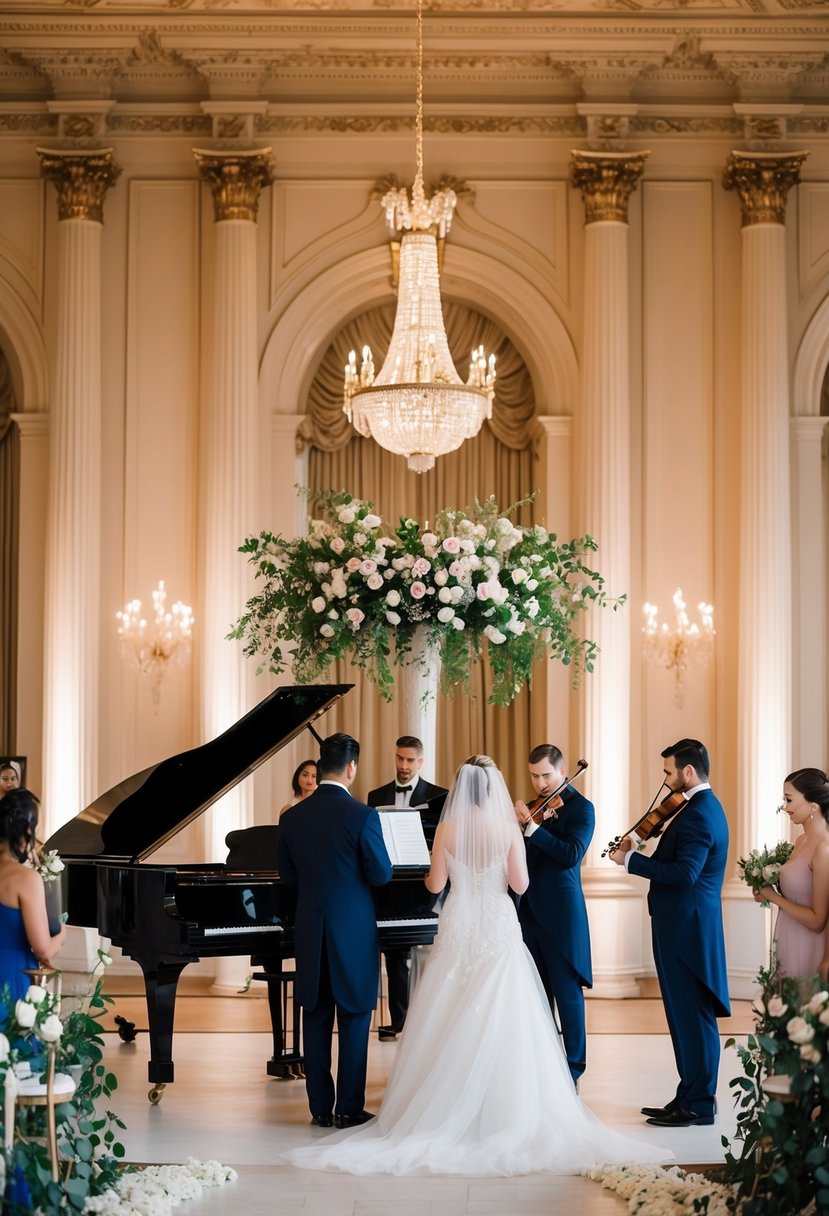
pixel 480 1084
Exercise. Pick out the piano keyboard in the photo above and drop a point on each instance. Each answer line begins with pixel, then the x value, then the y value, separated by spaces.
pixel 406 923
pixel 226 930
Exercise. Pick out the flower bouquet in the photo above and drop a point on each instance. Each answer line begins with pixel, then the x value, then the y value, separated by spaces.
pixel 475 582
pixel 762 866
pixel 50 867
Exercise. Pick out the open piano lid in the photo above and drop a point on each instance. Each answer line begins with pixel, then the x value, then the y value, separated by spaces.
pixel 138 815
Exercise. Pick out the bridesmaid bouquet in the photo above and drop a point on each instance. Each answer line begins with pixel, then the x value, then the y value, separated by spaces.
pixel 50 867
pixel 762 866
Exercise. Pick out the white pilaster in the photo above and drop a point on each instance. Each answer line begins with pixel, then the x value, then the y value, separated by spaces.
pixel 230 463
pixel 809 583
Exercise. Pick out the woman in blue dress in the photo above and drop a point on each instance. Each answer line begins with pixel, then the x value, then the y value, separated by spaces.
pixel 25 940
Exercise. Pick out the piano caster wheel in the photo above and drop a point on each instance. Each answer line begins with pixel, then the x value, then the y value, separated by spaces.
pixel 156 1093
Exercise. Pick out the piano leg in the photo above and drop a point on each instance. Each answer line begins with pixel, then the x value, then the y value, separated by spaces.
pixel 160 981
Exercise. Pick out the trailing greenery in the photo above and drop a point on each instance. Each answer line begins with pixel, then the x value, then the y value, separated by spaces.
pixel 480 587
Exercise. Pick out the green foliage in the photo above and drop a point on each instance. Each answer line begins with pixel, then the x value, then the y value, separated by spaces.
pixel 482 588
pixel 86 1138
pixel 780 1158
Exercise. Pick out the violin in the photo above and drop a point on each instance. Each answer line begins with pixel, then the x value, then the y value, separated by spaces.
pixel 545 806
pixel 654 819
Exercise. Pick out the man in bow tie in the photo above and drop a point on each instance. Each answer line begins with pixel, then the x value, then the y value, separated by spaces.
pixel 407 790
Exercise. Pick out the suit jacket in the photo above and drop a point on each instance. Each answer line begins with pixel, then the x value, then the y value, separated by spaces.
pixel 685 898
pixel 331 847
pixel 423 791
pixel 554 898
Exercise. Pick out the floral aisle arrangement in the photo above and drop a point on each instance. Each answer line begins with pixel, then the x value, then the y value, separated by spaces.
pixel 87 1137
pixel 782 1166
pixel 475 582
pixel 658 1191
pixel 762 866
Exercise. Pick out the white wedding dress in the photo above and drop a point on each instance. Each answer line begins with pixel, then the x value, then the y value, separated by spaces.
pixel 480 1084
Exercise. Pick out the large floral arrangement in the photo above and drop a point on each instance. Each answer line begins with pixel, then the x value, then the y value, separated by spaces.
pixel 474 582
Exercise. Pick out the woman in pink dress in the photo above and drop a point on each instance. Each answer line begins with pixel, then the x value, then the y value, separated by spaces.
pixel 803 896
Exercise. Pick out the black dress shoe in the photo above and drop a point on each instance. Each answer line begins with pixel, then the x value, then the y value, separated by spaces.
pixel 656 1112
pixel 681 1118
pixel 362 1116
pixel 387 1034
pixel 322 1120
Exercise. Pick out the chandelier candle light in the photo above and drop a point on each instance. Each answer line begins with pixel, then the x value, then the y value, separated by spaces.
pixel 153 646
pixel 678 648
pixel 417 406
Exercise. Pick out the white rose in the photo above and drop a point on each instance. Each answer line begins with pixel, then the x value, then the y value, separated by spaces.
pixel 799 1030
pixel 817 1002
pixel 495 635
pixel 327 631
pixel 355 617
pixel 519 576
pixel 515 626
pixel 770 873
pixel 5 1048
pixel 458 622
pixel 445 614
pixel 104 959
pixel 531 608
pixel 393 598
pixel 776 1007
pixel 333 615
pixel 318 603
pixel 347 515
pixel 392 618
pixel 810 1053
pixel 445 595
pixel 532 583
pixel 428 540
pixel 441 578
pixel 374 581
pixel 51 1028
pixel 25 1014
pixel 371 521
pixel 36 994
pixel 824 1018
pixel 483 591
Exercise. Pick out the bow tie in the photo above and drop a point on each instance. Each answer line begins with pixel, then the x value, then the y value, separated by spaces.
pixel 402 789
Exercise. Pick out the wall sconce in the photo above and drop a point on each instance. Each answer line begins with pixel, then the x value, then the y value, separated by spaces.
pixel 154 646
pixel 685 645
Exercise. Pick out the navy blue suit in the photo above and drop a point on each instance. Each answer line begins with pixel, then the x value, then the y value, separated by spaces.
pixel 685 903
pixel 331 847
pixel 553 918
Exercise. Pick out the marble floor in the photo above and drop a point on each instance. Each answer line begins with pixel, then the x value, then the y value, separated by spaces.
pixel 222 1105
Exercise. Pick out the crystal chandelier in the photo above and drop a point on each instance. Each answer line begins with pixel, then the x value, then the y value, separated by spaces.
pixel 417 406
pixel 154 646
pixel 679 648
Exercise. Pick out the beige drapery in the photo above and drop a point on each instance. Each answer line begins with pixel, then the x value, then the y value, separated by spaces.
pixel 500 461
pixel 9 541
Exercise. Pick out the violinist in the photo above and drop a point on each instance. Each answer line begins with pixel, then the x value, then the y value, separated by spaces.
pixel 686 875
pixel 552 911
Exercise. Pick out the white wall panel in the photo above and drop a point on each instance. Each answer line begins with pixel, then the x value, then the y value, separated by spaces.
pixel 813 233
pixel 677 484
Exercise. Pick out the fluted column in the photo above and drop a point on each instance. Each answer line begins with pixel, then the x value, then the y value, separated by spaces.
pixel 606 181
pixel 763 181
pixel 230 457
pixel 73 546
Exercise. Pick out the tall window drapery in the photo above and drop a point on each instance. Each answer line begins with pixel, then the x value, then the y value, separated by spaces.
pixel 9 545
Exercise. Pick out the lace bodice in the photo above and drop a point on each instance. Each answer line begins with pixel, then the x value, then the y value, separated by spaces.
pixel 478 921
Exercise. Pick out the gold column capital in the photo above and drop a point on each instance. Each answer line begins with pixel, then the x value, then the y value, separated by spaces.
pixel 235 180
pixel 606 181
pixel 763 180
pixel 81 180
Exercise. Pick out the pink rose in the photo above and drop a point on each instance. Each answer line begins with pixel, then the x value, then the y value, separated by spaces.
pixel 368 566
pixel 417 590
pixel 374 582
pixel 355 617
pixel 451 545
pixel 353 564
pixel 421 567
pixel 338 544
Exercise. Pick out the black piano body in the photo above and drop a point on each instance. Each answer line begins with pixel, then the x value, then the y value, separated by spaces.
pixel 167 916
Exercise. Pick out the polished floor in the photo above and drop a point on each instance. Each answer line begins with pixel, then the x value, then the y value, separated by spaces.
pixel 222 1105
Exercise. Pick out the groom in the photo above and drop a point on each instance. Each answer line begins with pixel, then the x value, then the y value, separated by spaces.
pixel 331 848
pixel 552 912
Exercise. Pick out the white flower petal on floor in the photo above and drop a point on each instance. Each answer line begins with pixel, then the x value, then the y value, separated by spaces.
pixel 156 1190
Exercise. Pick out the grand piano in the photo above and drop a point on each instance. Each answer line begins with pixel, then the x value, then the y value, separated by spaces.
pixel 166 916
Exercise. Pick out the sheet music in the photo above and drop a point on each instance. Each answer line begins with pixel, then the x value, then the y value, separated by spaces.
pixel 403 836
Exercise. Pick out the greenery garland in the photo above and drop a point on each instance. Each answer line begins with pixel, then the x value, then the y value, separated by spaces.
pixel 479 585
